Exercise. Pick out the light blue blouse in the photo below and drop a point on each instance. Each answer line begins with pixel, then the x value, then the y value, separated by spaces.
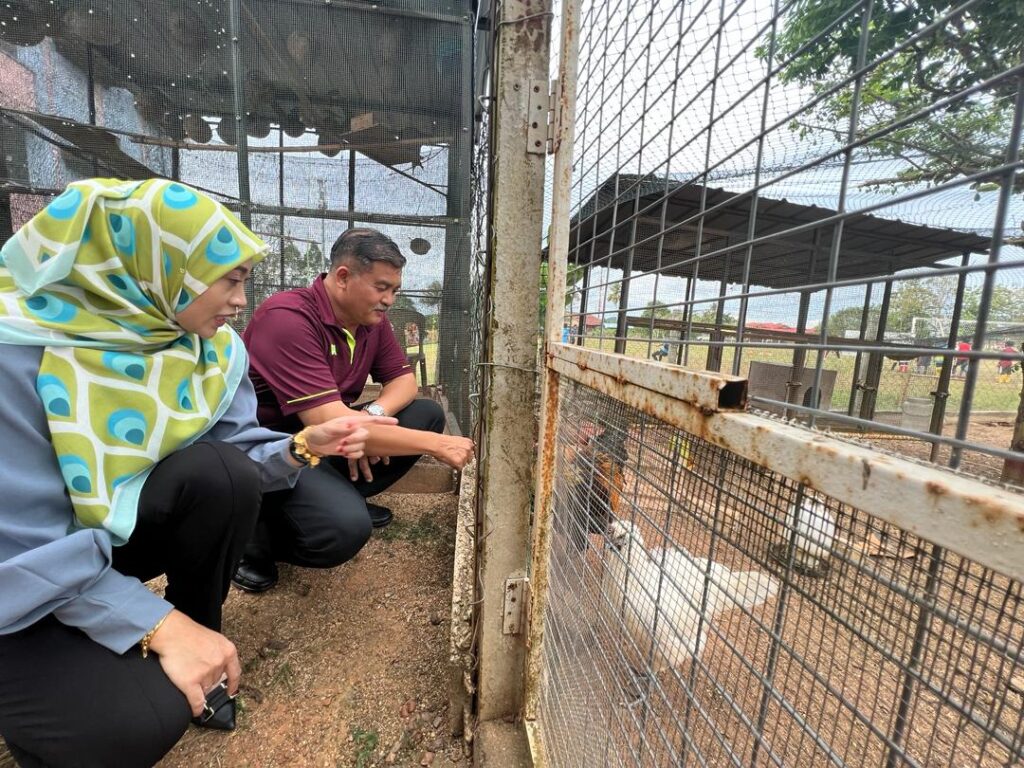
pixel 46 569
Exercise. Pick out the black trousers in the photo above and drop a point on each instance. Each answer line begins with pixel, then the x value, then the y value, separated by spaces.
pixel 67 701
pixel 323 522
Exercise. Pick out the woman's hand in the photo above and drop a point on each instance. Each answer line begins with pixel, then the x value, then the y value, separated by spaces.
pixel 344 436
pixel 454 451
pixel 195 658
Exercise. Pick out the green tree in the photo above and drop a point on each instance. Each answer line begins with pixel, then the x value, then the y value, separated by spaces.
pixel 615 293
pixel 1007 304
pixel 293 263
pixel 929 298
pixel 657 311
pixel 433 295
pixel 315 263
pixel 849 318
pixel 709 316
pixel 967 134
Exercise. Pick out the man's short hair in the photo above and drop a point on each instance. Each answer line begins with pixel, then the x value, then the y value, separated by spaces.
pixel 360 247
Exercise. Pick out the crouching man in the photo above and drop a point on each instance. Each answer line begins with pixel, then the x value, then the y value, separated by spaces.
pixel 311 350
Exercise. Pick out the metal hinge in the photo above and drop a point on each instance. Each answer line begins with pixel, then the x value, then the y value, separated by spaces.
pixel 543 117
pixel 516 594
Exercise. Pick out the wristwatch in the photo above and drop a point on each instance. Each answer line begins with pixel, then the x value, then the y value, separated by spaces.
pixel 375 410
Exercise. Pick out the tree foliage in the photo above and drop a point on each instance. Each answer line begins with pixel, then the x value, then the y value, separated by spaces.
pixel 931 302
pixel 573 276
pixel 961 134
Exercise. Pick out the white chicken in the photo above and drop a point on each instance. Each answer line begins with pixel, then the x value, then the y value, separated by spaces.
pixel 659 593
pixel 815 529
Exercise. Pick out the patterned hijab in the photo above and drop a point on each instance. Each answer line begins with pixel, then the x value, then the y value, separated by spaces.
pixel 96 278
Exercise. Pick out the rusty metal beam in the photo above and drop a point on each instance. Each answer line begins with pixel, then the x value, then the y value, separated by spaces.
pixel 975 519
pixel 708 391
pixel 558 256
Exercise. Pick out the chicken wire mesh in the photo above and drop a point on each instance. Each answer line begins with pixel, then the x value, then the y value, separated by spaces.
pixel 704 610
pixel 824 197
pixel 284 113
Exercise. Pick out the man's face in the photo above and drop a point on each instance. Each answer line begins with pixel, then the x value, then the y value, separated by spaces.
pixel 364 297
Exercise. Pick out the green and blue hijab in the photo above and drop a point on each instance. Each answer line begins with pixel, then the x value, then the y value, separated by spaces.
pixel 96 278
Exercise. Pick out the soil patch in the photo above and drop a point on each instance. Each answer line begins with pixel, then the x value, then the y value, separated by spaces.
pixel 348 666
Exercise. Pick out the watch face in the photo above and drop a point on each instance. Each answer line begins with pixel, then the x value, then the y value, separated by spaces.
pixel 374 410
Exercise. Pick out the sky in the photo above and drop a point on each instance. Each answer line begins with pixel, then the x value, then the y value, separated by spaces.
pixel 644 104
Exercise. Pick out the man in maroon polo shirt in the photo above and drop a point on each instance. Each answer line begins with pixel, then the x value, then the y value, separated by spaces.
pixel 310 352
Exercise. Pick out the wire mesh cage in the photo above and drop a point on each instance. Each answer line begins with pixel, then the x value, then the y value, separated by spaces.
pixel 705 610
pixel 823 197
pixel 281 111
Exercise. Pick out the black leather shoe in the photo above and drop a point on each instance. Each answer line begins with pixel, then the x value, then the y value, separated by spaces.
pixel 255 575
pixel 379 516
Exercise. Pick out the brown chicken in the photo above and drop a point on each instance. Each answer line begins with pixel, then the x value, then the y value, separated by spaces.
pixel 597 494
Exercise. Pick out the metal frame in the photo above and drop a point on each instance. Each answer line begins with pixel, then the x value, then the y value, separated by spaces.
pixel 978 520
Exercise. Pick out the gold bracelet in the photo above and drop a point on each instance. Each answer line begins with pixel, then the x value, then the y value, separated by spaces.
pixel 148 637
pixel 300 448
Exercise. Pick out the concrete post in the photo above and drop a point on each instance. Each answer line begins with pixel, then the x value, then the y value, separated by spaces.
pixel 507 448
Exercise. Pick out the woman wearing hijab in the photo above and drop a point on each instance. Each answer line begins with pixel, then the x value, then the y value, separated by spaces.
pixel 130 449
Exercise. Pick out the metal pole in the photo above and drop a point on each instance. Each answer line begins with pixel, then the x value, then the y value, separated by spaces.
pixel 280 201
pixel 351 185
pixel 241 123
pixel 796 371
pixel 874 373
pixel 684 340
pixel 741 320
pixel 507 446
pixel 988 286
pixel 714 358
pixel 581 323
pixel 558 253
pixel 90 79
pixel 865 319
pixel 796 374
pixel 453 348
pixel 690 298
pixel 941 393
pixel 837 230
pixel 621 326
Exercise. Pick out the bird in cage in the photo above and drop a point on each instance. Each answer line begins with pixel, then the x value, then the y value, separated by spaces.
pixel 813 530
pixel 670 596
pixel 681 452
pixel 600 480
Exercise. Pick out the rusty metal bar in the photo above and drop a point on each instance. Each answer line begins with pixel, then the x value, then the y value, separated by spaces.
pixel 980 521
pixel 710 392
pixel 558 250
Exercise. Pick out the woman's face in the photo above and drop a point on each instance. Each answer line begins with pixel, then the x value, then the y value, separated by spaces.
pixel 217 304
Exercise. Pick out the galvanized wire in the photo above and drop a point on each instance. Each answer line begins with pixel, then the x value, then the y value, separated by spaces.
pixel 706 611
pixel 704 170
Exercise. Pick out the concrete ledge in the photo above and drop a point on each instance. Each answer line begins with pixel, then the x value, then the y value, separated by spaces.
pixel 501 745
pixel 428 475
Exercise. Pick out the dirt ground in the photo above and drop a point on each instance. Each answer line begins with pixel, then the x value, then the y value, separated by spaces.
pixel 346 667
pixel 996 432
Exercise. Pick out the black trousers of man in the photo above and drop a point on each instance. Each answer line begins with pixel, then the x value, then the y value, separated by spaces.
pixel 323 521
pixel 68 702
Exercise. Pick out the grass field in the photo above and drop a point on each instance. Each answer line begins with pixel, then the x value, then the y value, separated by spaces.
pixel 894 386
pixel 995 399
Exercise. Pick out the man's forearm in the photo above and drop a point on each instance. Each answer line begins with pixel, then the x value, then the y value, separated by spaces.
pixel 400 441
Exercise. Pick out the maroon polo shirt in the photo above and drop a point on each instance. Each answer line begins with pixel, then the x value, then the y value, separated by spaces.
pixel 301 357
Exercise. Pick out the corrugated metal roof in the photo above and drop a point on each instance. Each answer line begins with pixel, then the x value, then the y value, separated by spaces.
pixel 789 248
